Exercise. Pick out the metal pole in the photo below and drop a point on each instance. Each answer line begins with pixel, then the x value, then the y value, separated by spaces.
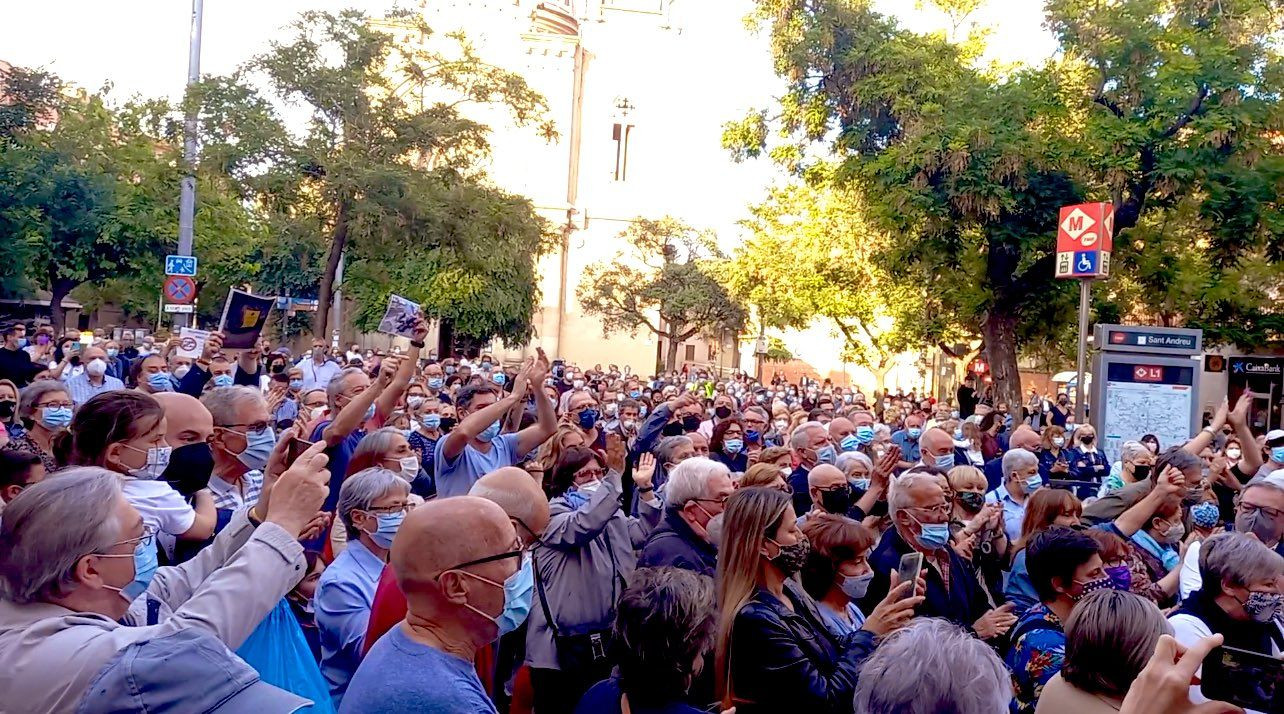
pixel 187 199
pixel 1080 400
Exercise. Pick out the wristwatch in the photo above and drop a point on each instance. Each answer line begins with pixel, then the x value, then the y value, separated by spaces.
pixel 415 343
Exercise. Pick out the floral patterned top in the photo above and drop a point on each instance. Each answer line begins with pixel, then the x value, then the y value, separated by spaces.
pixel 1038 651
pixel 25 445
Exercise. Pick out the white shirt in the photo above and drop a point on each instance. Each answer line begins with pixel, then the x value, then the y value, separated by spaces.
pixel 1187 630
pixel 317 376
pixel 1190 580
pixel 162 508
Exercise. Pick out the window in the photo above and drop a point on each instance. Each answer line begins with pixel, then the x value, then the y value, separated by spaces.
pixel 621 134
pixel 713 352
pixel 690 353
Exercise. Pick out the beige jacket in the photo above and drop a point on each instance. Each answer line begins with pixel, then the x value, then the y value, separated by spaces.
pixel 49 654
pixel 1061 697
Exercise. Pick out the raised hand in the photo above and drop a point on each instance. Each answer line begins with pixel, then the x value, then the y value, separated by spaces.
pixel 298 494
pixel 213 345
pixel 895 611
pixel 644 471
pixel 995 622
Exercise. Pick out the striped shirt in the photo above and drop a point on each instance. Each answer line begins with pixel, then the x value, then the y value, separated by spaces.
pixel 233 497
pixel 81 390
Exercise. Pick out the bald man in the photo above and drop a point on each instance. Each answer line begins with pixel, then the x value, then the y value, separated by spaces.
pixel 829 490
pixel 936 449
pixel 513 490
pixel 188 427
pixel 452 557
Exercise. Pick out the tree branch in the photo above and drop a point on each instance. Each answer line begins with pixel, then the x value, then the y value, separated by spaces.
pixel 1196 107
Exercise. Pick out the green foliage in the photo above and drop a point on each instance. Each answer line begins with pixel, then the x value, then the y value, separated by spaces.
pixel 386 171
pixel 667 285
pixel 1167 107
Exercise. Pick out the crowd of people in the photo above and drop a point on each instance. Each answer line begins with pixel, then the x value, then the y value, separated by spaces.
pixel 406 532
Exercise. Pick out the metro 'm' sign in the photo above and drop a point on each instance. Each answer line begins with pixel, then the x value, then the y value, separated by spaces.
pixel 1085 238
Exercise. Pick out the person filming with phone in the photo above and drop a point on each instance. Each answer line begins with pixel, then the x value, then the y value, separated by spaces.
pixel 920 517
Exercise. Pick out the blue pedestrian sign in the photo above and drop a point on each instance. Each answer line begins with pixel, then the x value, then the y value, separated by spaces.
pixel 180 265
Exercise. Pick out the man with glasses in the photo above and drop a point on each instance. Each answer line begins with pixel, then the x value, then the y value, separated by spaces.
pixel 1259 510
pixel 920 516
pixel 830 492
pixel 696 492
pixel 456 582
pixel 241 443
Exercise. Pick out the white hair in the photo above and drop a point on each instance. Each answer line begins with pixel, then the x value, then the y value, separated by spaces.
pixel 1130 450
pixel 1238 559
pixel 898 497
pixel 689 480
pixel 933 666
pixel 801 435
pixel 223 403
pixel 360 490
pixel 1018 459
pixel 882 430
pixel 50 526
pixel 846 458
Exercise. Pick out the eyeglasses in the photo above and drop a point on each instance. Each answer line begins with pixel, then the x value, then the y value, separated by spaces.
pixel 940 509
pixel 517 552
pixel 389 510
pixel 255 429
pixel 590 473
pixel 720 501
pixel 56 405
pixel 146 539
pixel 1248 509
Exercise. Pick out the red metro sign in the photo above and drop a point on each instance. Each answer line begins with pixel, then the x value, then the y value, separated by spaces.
pixel 1085 238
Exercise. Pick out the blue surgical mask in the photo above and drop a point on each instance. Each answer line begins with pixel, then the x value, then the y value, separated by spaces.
pixel 855 586
pixel 112 352
pixel 519 589
pixel 490 432
pixel 258 447
pixel 933 536
pixel 370 412
pixel 160 382
pixel 1033 483
pixel 55 417
pixel 958 434
pixel 826 455
pixel 22 342
pixel 945 461
pixel 144 556
pixel 296 384
pixel 860 483
pixel 914 432
pixel 432 421
pixel 435 382
pixel 733 446
pixel 634 394
pixel 849 443
pixel 498 378
pixel 1277 454
pixel 388 525
pixel 222 380
pixel 865 434
pixel 753 436
pixel 588 419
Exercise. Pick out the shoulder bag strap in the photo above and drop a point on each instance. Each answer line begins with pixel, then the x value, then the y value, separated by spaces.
pixel 543 598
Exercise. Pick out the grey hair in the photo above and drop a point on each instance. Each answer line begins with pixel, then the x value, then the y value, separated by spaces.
pixel 759 411
pixel 882 430
pixel 1274 479
pixel 799 438
pixel 49 527
pixel 1130 450
pixel 933 666
pixel 665 621
pixel 1110 636
pixel 690 480
pixel 378 441
pixel 1018 459
pixel 362 489
pixel 846 458
pixel 1238 559
pixel 34 392
pixel 898 497
pixel 223 403
pixel 336 383
pixel 664 450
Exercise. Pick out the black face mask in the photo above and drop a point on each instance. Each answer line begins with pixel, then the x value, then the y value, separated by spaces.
pixel 277 368
pixel 448 423
pixel 1086 440
pixel 673 428
pixel 971 500
pixel 836 501
pixel 721 412
pixel 690 423
pixel 189 468
pixel 1141 472
pixel 7 409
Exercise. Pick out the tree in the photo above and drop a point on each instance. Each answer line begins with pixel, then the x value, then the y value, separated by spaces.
pixel 386 172
pixel 667 286
pixel 76 201
pixel 1149 103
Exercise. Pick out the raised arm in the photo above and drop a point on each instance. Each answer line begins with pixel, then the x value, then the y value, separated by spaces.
pixel 531 437
pixel 1251 456
pixel 475 423
pixel 1204 438
pixel 353 416
pixel 1171 482
pixel 387 402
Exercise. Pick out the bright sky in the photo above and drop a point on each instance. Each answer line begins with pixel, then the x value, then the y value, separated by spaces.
pixel 140 47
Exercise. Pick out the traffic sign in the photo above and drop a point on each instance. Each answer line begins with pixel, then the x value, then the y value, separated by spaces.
pixel 179 290
pixel 1085 239
pixel 180 265
pixel 180 308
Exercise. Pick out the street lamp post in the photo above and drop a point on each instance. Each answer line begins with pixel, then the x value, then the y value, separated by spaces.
pixel 187 197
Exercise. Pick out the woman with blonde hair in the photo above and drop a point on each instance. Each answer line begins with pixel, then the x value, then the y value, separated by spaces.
pixel 566 436
pixel 970 438
pixel 1045 508
pixel 774 652
pixel 765 475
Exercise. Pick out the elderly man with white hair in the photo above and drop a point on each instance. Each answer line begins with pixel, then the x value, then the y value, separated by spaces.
pixel 242 441
pixel 77 556
pixel 1020 480
pixel 920 523
pixel 810 445
pixel 697 492
pixel 1259 510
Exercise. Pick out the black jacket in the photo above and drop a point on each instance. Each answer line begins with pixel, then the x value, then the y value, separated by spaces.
pixel 787 661
pixel 673 543
pixel 962 603
pixel 16 365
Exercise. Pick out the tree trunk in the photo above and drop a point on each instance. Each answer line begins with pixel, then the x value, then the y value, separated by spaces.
pixel 999 329
pixel 59 289
pixel 880 377
pixel 325 291
pixel 671 353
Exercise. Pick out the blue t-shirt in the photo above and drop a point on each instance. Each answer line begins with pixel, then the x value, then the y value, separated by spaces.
pixel 400 675
pixel 339 455
pixel 604 698
pixel 455 478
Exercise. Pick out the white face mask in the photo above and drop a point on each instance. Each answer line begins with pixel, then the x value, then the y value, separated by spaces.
pixel 96 367
pixel 409 467
pixel 157 460
pixel 1233 453
pixel 182 370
